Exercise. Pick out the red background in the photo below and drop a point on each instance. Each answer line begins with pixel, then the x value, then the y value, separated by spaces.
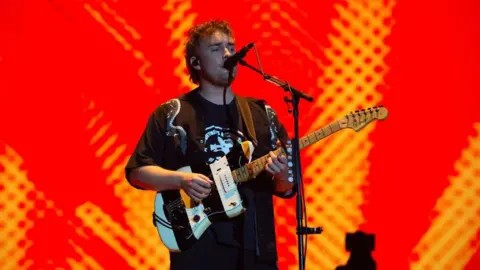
pixel 55 59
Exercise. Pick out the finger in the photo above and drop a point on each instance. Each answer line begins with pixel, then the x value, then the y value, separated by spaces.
pixel 269 170
pixel 201 190
pixel 196 195
pixel 283 159
pixel 274 168
pixel 272 164
pixel 205 178
pixel 269 160
pixel 277 162
pixel 195 198
pixel 202 182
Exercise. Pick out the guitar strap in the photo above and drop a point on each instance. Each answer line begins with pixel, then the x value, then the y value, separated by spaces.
pixel 244 109
pixel 273 124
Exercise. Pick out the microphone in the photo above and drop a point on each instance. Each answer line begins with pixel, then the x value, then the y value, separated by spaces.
pixel 234 59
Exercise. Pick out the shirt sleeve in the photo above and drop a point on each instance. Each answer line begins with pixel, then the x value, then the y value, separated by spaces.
pixel 149 149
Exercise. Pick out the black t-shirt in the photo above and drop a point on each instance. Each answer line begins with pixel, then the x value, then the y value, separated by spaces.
pixel 191 129
pixel 222 131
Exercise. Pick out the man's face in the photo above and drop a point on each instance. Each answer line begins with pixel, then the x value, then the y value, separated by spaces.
pixel 212 53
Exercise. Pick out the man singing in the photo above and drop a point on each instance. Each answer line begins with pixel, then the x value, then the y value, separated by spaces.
pixel 201 127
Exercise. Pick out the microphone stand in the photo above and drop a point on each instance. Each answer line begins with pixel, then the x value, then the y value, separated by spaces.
pixel 296 95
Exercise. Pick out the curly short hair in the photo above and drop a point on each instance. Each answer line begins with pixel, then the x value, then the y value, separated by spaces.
pixel 195 34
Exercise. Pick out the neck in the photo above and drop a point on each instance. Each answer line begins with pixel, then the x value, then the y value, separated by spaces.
pixel 215 95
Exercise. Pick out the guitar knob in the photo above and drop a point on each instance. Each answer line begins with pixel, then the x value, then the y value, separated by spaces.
pixel 196 218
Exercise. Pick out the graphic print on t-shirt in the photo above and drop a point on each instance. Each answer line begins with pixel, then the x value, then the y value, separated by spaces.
pixel 219 141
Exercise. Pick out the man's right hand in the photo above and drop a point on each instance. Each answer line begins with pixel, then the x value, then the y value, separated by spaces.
pixel 196 185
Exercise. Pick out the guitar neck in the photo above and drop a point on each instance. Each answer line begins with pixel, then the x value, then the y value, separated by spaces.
pixel 254 168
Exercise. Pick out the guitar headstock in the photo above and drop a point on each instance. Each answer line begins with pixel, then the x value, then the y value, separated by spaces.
pixel 359 119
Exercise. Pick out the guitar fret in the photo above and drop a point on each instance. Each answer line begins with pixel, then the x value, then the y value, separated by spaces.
pixel 326 133
pixel 242 174
pixel 260 166
pixel 337 128
pixel 322 135
pixel 334 127
pixel 304 142
pixel 255 168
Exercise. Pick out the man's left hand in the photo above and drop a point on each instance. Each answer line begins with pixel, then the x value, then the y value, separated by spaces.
pixel 277 166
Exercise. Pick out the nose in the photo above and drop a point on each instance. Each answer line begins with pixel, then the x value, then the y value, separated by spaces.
pixel 226 53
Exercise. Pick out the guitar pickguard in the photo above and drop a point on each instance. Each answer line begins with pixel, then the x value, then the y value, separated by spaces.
pixel 226 187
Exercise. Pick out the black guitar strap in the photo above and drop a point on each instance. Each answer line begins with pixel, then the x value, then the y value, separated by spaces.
pixel 244 109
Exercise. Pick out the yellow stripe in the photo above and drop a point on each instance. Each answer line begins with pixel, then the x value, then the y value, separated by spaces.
pixel 106 145
pixel 448 241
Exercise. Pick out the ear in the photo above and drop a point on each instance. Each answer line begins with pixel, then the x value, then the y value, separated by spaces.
pixel 195 62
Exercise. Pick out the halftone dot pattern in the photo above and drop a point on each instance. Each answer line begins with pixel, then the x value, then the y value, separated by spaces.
pixel 135 250
pixel 86 261
pixel 180 20
pixel 14 206
pixel 452 238
pixel 138 204
pixel 339 168
pixel 20 206
pixel 108 18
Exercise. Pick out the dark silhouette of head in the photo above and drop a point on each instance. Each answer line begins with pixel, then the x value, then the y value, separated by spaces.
pixel 360 245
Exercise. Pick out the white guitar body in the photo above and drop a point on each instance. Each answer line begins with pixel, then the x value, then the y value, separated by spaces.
pixel 226 203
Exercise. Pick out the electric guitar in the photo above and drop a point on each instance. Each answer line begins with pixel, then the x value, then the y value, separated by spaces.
pixel 181 221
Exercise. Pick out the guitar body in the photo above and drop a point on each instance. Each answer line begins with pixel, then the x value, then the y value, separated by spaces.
pixel 180 221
